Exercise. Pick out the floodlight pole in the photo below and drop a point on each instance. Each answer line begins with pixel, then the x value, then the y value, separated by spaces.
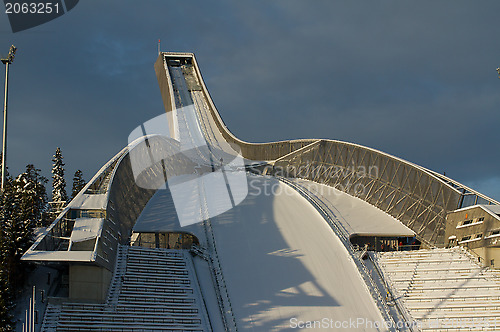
pixel 7 61
pixel 4 138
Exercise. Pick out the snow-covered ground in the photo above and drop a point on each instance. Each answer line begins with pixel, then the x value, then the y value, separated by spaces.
pixel 282 263
pixel 284 266
pixel 42 278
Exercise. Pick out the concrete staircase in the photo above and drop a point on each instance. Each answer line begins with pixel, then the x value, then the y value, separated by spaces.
pixel 444 289
pixel 151 290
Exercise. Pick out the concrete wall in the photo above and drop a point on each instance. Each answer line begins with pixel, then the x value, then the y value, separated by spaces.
pixel 490 256
pixel 488 248
pixel 455 218
pixel 87 282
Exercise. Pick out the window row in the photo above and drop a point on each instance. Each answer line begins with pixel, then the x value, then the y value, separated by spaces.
pixel 470 222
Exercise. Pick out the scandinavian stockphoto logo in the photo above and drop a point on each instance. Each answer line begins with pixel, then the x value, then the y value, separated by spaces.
pixel 26 14
pixel 171 152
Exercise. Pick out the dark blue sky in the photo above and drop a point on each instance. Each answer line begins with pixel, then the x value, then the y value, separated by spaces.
pixel 414 79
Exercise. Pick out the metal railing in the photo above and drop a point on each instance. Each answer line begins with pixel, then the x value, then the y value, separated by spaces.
pixel 198 291
pixel 218 279
pixel 223 299
pixel 397 301
pixel 119 271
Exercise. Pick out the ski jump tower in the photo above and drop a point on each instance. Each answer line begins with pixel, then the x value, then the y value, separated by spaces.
pixel 373 200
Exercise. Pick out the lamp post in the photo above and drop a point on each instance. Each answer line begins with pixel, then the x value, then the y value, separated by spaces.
pixel 7 61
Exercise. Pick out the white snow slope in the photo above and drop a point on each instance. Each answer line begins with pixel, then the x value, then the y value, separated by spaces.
pixel 284 266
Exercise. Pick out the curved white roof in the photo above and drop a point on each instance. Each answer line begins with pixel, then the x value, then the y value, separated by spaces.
pixel 357 216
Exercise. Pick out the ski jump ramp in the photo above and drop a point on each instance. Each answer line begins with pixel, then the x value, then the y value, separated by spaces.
pixel 271 226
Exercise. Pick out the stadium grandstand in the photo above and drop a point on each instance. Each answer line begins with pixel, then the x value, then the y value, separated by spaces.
pixel 189 228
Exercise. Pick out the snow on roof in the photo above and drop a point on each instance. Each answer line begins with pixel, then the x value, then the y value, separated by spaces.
pixel 59 256
pixel 89 201
pixel 86 229
pixel 357 216
pixel 494 209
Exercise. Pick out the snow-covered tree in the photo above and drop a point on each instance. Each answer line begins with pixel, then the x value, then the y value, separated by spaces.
pixel 58 182
pixel 7 215
pixel 31 196
pixel 78 183
pixel 22 203
pixel 6 287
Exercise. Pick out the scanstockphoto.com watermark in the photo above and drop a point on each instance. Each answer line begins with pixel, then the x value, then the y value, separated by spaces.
pixel 345 179
pixel 364 323
pixel 351 323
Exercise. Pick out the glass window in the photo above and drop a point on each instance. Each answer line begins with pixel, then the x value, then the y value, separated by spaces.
pixel 482 201
pixel 469 200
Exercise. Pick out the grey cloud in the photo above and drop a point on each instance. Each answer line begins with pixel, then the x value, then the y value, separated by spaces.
pixel 413 79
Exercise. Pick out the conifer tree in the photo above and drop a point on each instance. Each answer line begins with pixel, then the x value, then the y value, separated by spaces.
pixel 21 205
pixel 31 198
pixel 78 183
pixel 7 212
pixel 58 181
